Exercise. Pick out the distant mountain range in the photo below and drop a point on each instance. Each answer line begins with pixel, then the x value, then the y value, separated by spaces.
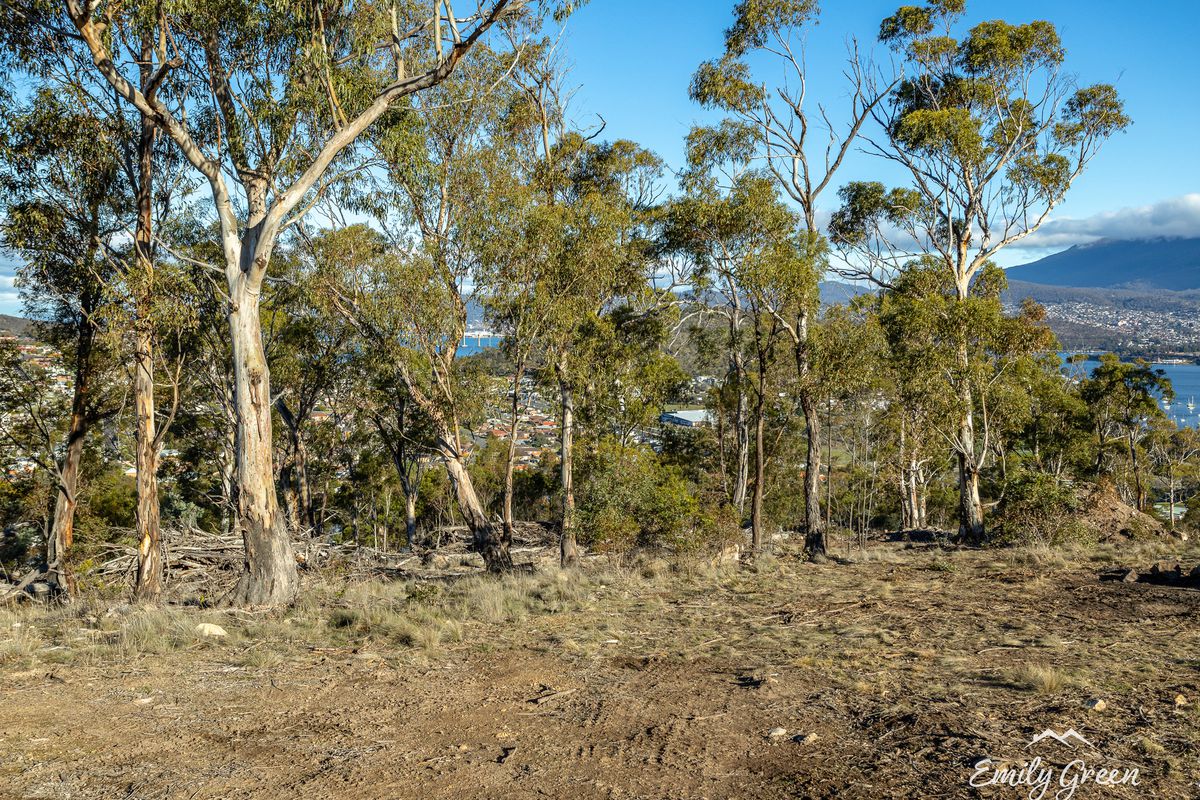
pixel 837 293
pixel 1140 265
pixel 1134 296
pixel 14 325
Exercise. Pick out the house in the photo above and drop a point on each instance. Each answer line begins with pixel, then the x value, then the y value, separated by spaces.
pixel 699 418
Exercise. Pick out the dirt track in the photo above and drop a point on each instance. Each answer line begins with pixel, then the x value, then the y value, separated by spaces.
pixel 908 671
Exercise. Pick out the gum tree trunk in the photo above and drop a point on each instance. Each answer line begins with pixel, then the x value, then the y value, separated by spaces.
pixel 1139 489
pixel 62 525
pixel 970 509
pixel 907 497
pixel 269 576
pixel 410 517
pixel 741 425
pixel 814 532
pixel 148 584
pixel 61 534
pixel 760 458
pixel 488 540
pixel 568 555
pixel 149 575
pixel 514 425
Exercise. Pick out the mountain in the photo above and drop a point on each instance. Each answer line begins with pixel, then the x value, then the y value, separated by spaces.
pixel 836 292
pixel 13 325
pixel 1180 302
pixel 1140 264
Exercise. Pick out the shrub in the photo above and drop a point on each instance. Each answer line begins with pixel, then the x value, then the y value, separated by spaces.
pixel 629 499
pixel 1039 509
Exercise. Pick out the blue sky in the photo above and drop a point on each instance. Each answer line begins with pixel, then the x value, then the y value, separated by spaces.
pixel 633 62
pixel 633 59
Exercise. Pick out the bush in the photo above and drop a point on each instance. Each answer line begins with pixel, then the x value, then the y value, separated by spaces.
pixel 629 499
pixel 1038 509
pixel 22 501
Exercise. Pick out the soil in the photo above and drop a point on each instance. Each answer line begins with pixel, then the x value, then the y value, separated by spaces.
pixel 892 676
pixel 1103 511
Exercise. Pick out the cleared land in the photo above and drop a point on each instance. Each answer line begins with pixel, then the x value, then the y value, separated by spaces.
pixel 895 672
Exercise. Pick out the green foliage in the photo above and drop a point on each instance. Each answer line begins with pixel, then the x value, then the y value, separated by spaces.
pixel 111 501
pixel 1039 509
pixel 757 21
pixel 629 499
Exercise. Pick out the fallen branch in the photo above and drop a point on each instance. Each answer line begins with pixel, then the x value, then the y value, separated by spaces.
pixel 13 592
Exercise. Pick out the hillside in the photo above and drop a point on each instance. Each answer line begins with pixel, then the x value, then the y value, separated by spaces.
pixel 1129 299
pixel 11 324
pixel 838 293
pixel 1149 264
pixel 1126 320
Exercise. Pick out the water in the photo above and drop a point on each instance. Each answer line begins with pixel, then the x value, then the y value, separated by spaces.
pixel 477 344
pixel 1185 378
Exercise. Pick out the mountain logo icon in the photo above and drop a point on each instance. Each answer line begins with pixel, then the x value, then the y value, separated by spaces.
pixel 1068 737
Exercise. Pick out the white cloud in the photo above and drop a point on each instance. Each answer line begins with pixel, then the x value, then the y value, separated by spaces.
pixel 10 301
pixel 1178 216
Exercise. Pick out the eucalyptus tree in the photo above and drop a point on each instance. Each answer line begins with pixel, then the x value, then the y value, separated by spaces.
pixel 743 245
pixel 928 328
pixel 409 315
pixel 1176 451
pixel 802 149
pixel 64 203
pixel 278 97
pixel 608 194
pixel 1122 398
pixel 516 228
pixel 441 169
pixel 993 132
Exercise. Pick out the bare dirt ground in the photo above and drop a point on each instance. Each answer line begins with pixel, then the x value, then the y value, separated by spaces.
pixel 892 675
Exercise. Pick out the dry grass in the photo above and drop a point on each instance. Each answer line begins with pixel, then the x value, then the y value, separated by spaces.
pixel 1039 678
pixel 892 649
pixel 406 614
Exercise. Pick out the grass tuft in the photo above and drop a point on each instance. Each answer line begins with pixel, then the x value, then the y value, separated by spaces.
pixel 1039 678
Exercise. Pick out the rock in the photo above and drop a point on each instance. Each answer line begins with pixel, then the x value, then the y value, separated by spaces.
pixel 1095 704
pixel 207 630
pixel 777 733
pixel 1166 572
pixel 611 641
pixel 729 554
pixel 143 701
pixel 805 738
pixel 1131 576
pixel 1180 701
